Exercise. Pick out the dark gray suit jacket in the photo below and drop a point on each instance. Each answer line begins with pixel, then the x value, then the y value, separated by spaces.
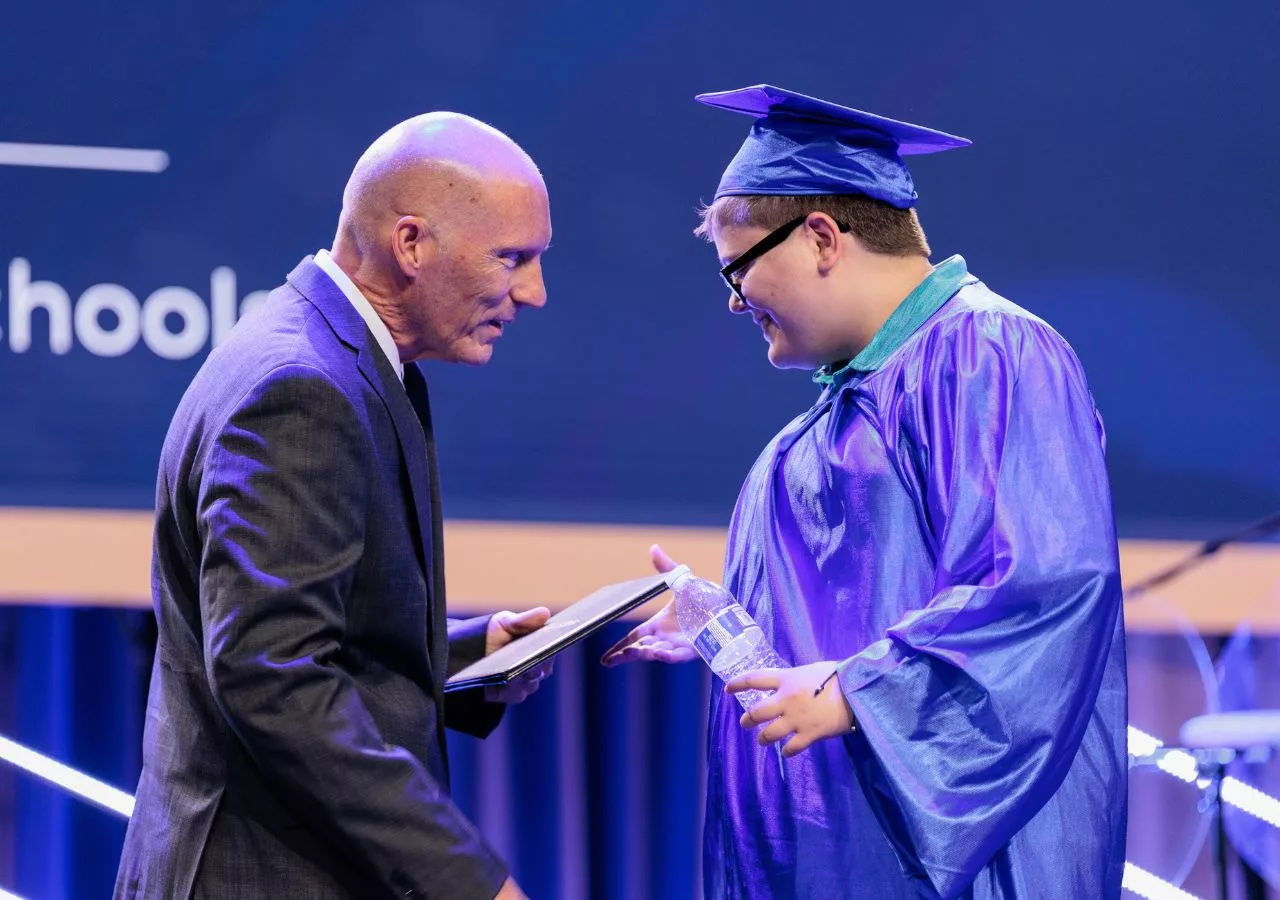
pixel 294 741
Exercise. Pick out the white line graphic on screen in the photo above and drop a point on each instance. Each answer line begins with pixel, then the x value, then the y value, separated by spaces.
pixel 69 156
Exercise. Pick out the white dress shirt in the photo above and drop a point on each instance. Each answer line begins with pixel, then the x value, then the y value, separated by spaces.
pixel 381 333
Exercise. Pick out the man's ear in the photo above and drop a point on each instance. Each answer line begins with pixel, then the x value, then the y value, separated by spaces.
pixel 825 234
pixel 412 245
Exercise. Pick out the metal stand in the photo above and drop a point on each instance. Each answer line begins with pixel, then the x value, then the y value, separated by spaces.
pixel 1255 888
pixel 1217 773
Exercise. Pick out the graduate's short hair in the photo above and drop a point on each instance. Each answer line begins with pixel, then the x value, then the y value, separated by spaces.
pixel 879 226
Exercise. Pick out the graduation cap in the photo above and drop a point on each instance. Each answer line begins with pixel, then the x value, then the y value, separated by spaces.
pixel 803 146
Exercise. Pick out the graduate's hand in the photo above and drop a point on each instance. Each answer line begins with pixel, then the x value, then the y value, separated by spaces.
pixel 505 627
pixel 659 639
pixel 793 710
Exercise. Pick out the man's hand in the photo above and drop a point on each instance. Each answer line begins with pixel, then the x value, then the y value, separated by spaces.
pixel 510 891
pixel 802 707
pixel 505 627
pixel 659 639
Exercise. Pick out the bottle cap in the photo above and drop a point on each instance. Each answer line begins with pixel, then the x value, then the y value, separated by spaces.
pixel 677 574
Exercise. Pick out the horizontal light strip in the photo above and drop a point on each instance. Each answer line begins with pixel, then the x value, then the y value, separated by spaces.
pixel 1251 800
pixel 1141 743
pixel 5 895
pixel 67 156
pixel 1182 765
pixel 1144 884
pixel 67 778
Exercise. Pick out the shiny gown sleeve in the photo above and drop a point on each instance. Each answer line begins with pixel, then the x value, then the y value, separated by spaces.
pixel 972 707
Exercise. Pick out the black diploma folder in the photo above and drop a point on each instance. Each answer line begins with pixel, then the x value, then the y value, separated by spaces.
pixel 562 630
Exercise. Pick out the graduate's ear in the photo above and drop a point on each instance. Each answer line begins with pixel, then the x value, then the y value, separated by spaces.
pixel 825 234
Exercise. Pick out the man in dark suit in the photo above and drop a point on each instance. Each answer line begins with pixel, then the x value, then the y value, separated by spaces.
pixel 294 741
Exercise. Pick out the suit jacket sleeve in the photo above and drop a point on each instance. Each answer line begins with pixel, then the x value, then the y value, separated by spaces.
pixel 282 519
pixel 468 711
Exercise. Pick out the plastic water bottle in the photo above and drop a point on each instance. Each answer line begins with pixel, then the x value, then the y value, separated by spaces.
pixel 721 630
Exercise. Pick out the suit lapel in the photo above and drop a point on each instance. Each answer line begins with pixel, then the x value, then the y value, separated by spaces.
pixel 412 428
pixel 418 455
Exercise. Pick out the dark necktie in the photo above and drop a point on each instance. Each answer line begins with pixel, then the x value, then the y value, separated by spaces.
pixel 416 387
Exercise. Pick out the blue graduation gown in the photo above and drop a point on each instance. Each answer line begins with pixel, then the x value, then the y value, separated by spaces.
pixel 940 522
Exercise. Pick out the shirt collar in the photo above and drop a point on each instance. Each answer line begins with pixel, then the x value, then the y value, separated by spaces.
pixel 926 299
pixel 381 333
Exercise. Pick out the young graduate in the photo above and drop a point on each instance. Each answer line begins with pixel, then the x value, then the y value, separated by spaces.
pixel 931 546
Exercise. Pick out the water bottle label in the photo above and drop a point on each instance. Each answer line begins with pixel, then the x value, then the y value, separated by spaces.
pixel 721 630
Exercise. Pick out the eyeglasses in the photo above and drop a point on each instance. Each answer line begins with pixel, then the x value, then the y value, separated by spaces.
pixel 733 272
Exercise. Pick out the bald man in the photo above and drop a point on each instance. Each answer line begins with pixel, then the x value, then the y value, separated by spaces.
pixel 294 742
